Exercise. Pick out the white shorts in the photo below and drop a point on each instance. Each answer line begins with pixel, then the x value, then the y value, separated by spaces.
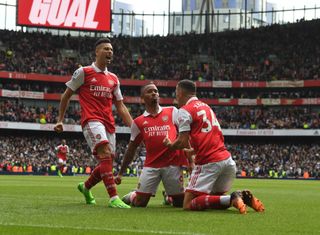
pixel 61 161
pixel 171 176
pixel 212 178
pixel 95 133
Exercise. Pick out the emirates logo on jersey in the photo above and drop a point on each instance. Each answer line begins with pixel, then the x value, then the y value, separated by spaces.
pixel 157 130
pixel 111 83
pixel 165 118
pixel 101 91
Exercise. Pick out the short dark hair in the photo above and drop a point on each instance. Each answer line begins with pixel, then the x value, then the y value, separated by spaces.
pixel 187 85
pixel 101 40
pixel 144 86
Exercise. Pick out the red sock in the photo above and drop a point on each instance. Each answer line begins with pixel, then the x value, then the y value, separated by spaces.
pixel 207 202
pixel 132 198
pixel 94 178
pixel 169 200
pixel 107 177
pixel 61 169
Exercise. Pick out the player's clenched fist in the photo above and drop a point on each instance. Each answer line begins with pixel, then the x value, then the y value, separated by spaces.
pixel 166 141
pixel 58 127
pixel 117 179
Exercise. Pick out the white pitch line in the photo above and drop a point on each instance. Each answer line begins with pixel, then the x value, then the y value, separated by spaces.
pixel 100 229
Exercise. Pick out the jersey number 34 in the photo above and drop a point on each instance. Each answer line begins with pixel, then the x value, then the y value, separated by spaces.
pixel 210 123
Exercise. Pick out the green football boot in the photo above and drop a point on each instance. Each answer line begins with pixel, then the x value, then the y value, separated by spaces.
pixel 86 193
pixel 59 173
pixel 118 203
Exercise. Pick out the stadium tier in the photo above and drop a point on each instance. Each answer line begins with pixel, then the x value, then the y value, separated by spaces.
pixel 265 94
pixel 277 52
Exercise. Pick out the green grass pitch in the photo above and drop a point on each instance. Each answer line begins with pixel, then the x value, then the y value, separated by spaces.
pixel 52 205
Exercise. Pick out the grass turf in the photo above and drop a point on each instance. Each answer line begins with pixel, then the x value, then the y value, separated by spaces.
pixel 53 205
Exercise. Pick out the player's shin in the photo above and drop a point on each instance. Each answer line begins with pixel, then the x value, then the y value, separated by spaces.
pixel 129 198
pixel 107 176
pixel 210 202
pixel 94 178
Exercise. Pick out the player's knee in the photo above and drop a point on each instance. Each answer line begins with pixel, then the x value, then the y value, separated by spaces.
pixel 103 152
pixel 141 201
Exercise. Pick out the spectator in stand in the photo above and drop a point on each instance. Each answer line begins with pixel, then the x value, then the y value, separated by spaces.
pixel 258 54
pixel 256 159
pixel 231 117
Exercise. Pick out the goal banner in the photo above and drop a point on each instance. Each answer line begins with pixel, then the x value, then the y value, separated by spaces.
pixel 86 15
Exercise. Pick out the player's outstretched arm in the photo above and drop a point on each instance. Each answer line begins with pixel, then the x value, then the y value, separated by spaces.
pixel 127 159
pixel 123 112
pixel 64 102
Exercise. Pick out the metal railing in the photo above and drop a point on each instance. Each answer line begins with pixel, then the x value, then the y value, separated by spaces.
pixel 147 24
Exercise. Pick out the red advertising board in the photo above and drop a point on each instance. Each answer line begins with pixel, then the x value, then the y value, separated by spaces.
pixel 87 15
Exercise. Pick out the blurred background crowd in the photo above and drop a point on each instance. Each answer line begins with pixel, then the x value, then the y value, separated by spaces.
pixel 273 53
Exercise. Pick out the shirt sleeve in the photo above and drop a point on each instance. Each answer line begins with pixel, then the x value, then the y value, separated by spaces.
pixel 117 92
pixel 184 120
pixel 135 132
pixel 77 79
pixel 175 113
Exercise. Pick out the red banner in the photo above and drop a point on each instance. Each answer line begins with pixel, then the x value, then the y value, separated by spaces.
pixel 166 83
pixel 91 15
pixel 312 83
pixel 34 77
pixel 169 101
pixel 248 84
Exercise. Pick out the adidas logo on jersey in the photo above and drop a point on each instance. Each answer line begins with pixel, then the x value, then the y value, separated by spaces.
pixel 145 123
pixel 93 80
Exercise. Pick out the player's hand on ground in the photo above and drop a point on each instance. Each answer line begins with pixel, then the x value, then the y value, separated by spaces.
pixel 58 127
pixel 117 179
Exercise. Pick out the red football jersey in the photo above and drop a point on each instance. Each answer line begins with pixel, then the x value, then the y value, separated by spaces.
pixel 62 151
pixel 97 89
pixel 152 130
pixel 206 136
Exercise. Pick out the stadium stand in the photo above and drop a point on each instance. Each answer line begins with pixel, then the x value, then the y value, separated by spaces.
pixel 261 89
pixel 261 54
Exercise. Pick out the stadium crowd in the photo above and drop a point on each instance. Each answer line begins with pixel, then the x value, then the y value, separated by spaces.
pixel 165 92
pixel 277 52
pixel 286 52
pixel 39 153
pixel 253 160
pixel 230 117
pixel 277 160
